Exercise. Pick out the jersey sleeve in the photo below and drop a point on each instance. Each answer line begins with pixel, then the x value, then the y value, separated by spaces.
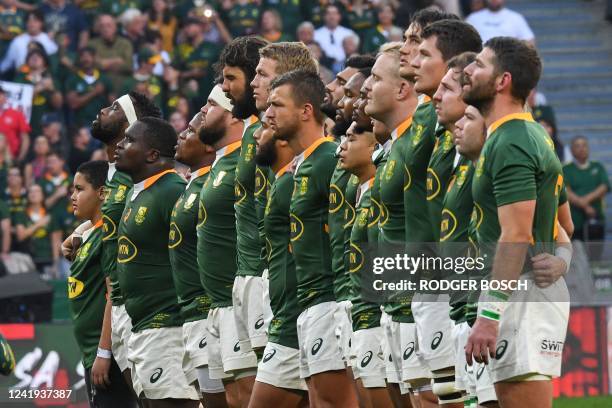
pixel 603 174
pixel 513 174
pixel 4 211
pixel 563 195
pixel 21 218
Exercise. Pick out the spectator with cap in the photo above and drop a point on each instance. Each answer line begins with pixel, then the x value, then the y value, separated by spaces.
pixel 272 27
pixel 160 19
pixel 12 23
pixel 15 127
pixel 133 23
pixel 64 17
pixel 331 36
pixel 587 184
pixel 113 52
pixel 47 96
pixel 88 90
pixel 384 32
pixel 496 20
pixel 18 49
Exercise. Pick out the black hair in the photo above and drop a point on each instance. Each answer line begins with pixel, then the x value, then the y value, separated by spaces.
pixel 242 52
pixel 160 135
pixel 360 61
pixel 425 17
pixel 144 106
pixel 366 72
pixel 453 37
pixel 41 53
pixel 88 49
pixel 37 14
pixel 521 60
pixel 307 87
pixel 94 172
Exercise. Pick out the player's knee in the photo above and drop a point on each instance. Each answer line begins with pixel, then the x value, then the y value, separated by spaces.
pixel 443 386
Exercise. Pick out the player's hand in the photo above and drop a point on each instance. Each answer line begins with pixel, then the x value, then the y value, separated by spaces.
pixel 590 211
pixel 99 372
pixel 67 248
pixel 482 341
pixel 547 269
pixel 44 221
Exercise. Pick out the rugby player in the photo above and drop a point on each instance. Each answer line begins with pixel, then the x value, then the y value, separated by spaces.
pixel 238 61
pixel 428 160
pixel 109 128
pixel 278 381
pixel 228 359
pixel 295 116
pixel 516 188
pixel 155 348
pixel 182 243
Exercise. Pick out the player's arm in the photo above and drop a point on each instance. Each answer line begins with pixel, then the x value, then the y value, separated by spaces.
pixel 548 268
pixel 5 225
pixel 25 145
pixel 565 219
pixel 101 365
pixel 599 193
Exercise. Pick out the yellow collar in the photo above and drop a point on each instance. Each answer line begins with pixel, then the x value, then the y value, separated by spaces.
pixel 518 116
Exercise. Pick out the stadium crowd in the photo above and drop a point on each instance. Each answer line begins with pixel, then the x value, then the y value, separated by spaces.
pixel 256 297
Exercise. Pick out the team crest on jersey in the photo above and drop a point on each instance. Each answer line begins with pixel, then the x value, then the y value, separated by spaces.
pixel 389 167
pixel 83 251
pixel 190 200
pixel 248 156
pixel 120 193
pixel 75 287
pixel 463 169
pixel 418 135
pixel 447 144
pixel 219 178
pixel 480 165
pixel 140 215
pixel 303 185
pixel 202 215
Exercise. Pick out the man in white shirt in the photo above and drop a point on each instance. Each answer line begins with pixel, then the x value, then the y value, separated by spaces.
pixel 495 20
pixel 18 49
pixel 331 35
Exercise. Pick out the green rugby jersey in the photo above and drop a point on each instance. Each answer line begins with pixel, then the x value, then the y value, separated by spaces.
pixel 143 259
pixel 393 180
pixel 420 144
pixel 457 209
pixel 216 228
pixel 248 242
pixel 517 163
pixel 309 229
pixel 87 293
pixel 341 216
pixel 438 175
pixel 281 266
pixel 365 314
pixel 182 243
pixel 117 186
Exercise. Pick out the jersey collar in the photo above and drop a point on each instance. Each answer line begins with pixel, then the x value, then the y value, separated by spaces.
pixel 363 188
pixel 225 150
pixel 284 170
pixel 112 169
pixel 198 173
pixel 401 129
pixel 148 182
pixel 250 121
pixel 90 231
pixel 423 99
pixel 513 116
pixel 299 159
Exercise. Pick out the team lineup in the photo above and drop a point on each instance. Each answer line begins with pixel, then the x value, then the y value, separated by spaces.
pixel 244 285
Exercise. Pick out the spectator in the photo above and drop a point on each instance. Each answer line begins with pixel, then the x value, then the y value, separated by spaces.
pixel 384 32
pixel 305 33
pixel 178 121
pixel 37 166
pixel 64 17
pixel 12 23
pixel 496 20
pixel 350 45
pixel 5 162
pixel 53 132
pixel 272 27
pixel 113 53
pixel 81 150
pixel 15 127
pixel 47 97
pixel 15 194
pixel 243 18
pixel 143 80
pixel 361 16
pixel 318 9
pixel 325 73
pixel 117 7
pixel 331 36
pixel 39 231
pixel 5 230
pixel 160 19
pixel 63 62
pixel 215 30
pixel 587 185
pixel 133 23
pixel 153 41
pixel 18 49
pixel 290 12
pixel 88 90
pixel 56 183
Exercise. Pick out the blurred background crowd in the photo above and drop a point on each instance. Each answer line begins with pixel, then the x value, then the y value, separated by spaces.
pixel 80 55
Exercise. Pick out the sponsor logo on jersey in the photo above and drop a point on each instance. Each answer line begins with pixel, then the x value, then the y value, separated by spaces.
pixel 202 343
pixel 356 258
pixel 501 349
pixel 480 372
pixel 140 215
pixel 174 236
pixel 408 179
pixel 269 356
pixel 551 347
pixel 126 250
pixel 366 359
pixel 75 287
pixel 435 343
pixel 260 181
pixel 303 185
pixel 237 347
pixel 418 135
pixel 448 224
pixel 239 192
pixel 433 184
pixel 336 198
pixel 219 178
pixel 190 200
pixel 155 376
pixel 316 346
pixel 108 227
pixel 409 350
pixel 259 323
pixel 296 227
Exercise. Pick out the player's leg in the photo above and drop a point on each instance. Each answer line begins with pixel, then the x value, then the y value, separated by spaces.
pixel 121 327
pixel 369 367
pixel 266 395
pixel 515 394
pixel 118 393
pixel 412 368
pixel 212 391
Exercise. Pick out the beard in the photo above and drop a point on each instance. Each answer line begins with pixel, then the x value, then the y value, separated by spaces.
pixel 245 107
pixel 106 134
pixel 266 156
pixel 287 133
pixel 340 127
pixel 210 136
pixel 328 110
pixel 480 96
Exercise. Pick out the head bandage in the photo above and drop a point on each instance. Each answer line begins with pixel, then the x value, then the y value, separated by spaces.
pixel 128 108
pixel 219 97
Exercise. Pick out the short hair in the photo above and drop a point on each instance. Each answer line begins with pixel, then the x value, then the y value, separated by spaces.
pixel 521 60
pixel 366 72
pixel 144 106
pixel 453 37
pixel 289 56
pixel 243 53
pixel 360 61
pixel 161 135
pixel 427 16
pixel 94 172
pixel 305 24
pixel 37 14
pixel 577 138
pixel 459 62
pixel 353 37
pixel 307 87
pixel 87 49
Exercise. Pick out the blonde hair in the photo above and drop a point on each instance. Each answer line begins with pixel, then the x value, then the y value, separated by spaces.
pixel 290 56
pixel 390 48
